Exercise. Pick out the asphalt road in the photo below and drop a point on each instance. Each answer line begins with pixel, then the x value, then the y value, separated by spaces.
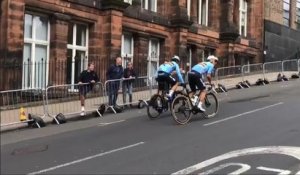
pixel 257 131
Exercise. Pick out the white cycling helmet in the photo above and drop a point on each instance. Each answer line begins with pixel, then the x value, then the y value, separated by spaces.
pixel 212 57
pixel 176 58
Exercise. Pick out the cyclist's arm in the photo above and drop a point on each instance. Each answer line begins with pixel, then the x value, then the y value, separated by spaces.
pixel 173 73
pixel 209 72
pixel 179 74
pixel 209 78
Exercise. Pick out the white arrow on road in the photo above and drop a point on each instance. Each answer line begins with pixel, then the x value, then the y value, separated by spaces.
pixel 279 171
pixel 284 150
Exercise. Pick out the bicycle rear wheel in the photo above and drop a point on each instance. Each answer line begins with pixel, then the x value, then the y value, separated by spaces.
pixel 181 109
pixel 155 106
pixel 211 105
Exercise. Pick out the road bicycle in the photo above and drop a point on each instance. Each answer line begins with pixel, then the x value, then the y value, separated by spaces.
pixel 160 103
pixel 182 107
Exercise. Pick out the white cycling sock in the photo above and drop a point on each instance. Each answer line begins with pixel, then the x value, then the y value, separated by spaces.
pixel 200 106
pixel 82 108
pixel 171 93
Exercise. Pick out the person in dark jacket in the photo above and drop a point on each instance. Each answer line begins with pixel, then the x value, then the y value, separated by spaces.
pixel 87 78
pixel 129 75
pixel 113 73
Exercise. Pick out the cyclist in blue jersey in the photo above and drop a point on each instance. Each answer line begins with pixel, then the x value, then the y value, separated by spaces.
pixel 165 72
pixel 196 80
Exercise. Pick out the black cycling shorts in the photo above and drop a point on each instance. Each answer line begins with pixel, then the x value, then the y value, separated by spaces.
pixel 195 81
pixel 164 78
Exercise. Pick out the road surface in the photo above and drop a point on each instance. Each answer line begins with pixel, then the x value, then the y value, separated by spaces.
pixel 257 131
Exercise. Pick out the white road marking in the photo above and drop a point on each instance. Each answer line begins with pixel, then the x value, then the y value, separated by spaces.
pixel 104 124
pixel 279 171
pixel 284 150
pixel 85 159
pixel 245 113
pixel 244 168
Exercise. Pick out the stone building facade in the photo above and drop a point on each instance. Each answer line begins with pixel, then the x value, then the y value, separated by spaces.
pixel 281 30
pixel 63 35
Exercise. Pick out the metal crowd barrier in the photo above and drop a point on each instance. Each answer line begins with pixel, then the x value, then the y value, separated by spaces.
pixel 229 76
pixel 252 72
pixel 65 99
pixel 271 70
pixel 127 91
pixel 299 66
pixel 21 106
pixel 290 67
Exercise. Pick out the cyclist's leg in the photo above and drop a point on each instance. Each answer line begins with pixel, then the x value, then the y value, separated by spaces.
pixel 173 83
pixel 202 94
pixel 160 81
pixel 192 84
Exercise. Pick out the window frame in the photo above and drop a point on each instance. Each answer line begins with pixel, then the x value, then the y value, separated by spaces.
pixel 153 59
pixel 200 17
pixel 146 5
pixel 34 42
pixel 188 7
pixel 298 14
pixel 286 2
pixel 126 55
pixel 74 47
pixel 241 13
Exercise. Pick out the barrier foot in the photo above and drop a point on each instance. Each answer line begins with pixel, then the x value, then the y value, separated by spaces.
pixel 112 108
pixel 100 115
pixel 222 89
pixel 56 121
pixel 36 121
pixel 141 102
pixel 59 119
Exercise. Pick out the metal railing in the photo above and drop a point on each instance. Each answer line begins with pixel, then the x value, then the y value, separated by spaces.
pixel 17 106
pixel 66 98
pixel 127 91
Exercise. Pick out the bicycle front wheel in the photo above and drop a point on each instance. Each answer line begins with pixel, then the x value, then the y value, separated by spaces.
pixel 211 105
pixel 155 106
pixel 181 109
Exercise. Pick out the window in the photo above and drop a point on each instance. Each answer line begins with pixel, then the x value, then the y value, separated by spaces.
pixel 203 12
pixel 128 1
pixel 127 49
pixel 35 51
pixel 188 7
pixel 298 14
pixel 77 51
pixel 243 18
pixel 149 5
pixel 286 13
pixel 153 58
pixel 190 55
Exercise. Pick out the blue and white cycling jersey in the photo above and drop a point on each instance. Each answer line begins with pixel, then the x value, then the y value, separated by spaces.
pixel 203 68
pixel 169 67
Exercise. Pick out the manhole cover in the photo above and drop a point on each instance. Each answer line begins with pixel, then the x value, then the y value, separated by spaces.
pixel 30 149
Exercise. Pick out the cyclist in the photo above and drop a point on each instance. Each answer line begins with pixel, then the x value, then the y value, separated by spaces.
pixel 196 80
pixel 164 74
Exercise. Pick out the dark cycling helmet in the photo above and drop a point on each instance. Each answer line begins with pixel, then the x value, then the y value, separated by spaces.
pixel 176 58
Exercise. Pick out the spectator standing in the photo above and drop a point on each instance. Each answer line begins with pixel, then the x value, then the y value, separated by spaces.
pixel 114 72
pixel 129 75
pixel 87 78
